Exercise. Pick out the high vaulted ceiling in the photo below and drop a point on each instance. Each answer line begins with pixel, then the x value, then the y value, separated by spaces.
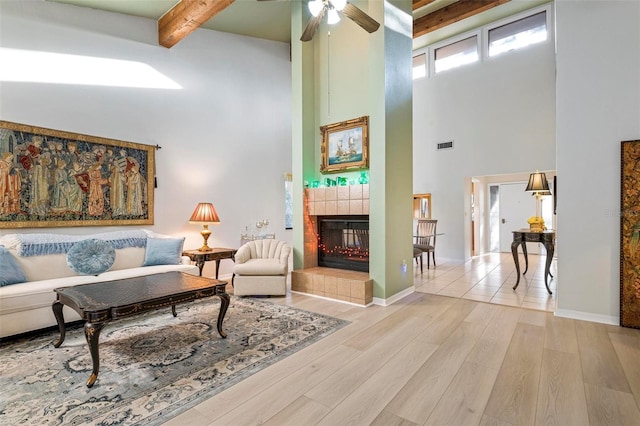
pixel 434 20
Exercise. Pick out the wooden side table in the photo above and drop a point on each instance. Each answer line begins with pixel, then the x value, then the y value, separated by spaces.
pixel 216 254
pixel 520 238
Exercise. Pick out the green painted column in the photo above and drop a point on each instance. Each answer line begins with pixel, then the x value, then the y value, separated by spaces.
pixel 391 182
pixel 346 73
pixel 303 107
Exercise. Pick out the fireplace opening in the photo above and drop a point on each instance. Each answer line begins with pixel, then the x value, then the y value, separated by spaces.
pixel 343 242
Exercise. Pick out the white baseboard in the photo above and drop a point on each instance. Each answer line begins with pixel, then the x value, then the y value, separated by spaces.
pixel 386 302
pixel 587 316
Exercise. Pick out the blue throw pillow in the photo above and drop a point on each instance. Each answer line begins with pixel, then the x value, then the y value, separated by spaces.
pixel 91 257
pixel 163 251
pixel 10 270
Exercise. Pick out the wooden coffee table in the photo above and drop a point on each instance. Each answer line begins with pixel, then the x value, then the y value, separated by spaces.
pixel 99 303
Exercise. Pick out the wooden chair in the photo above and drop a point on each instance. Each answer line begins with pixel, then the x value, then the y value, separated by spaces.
pixel 425 238
pixel 417 255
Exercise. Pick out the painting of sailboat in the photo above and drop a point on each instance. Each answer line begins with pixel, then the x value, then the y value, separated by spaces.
pixel 345 145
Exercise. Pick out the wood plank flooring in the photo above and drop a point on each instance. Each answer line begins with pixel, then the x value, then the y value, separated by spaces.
pixel 436 360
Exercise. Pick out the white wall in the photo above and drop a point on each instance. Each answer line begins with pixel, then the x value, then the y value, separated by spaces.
pixel 225 136
pixel 598 105
pixel 500 113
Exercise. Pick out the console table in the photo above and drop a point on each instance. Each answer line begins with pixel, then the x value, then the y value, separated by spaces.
pixel 217 254
pixel 524 236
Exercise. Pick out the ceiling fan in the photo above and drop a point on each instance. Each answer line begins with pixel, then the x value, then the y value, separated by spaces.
pixel 318 8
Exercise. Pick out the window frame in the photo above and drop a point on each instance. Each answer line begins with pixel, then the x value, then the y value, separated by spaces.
pixel 452 40
pixel 422 51
pixel 513 18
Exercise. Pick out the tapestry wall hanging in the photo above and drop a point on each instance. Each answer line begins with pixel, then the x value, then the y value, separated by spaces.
pixel 53 178
pixel 630 235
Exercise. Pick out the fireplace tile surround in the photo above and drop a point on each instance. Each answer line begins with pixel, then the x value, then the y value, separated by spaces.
pixel 338 200
pixel 338 284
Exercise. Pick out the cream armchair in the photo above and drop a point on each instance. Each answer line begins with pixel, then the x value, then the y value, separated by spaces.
pixel 261 268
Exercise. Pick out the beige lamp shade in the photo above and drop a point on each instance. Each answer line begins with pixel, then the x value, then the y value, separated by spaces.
pixel 204 213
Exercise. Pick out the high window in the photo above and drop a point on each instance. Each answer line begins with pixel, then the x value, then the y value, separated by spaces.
pixel 534 26
pixel 518 34
pixel 456 54
pixel 419 66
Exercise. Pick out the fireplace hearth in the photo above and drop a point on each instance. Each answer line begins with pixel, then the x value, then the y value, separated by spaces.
pixel 343 242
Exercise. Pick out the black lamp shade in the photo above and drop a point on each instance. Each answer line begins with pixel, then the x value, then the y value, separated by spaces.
pixel 537 182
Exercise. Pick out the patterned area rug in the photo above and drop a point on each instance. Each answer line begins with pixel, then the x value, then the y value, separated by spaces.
pixel 153 366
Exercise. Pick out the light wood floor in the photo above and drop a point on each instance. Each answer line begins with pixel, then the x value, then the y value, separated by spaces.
pixel 437 360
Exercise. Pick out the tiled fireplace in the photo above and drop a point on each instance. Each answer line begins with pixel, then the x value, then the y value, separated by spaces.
pixel 337 205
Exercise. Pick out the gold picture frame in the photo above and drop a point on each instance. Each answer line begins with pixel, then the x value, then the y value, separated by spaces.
pixel 345 145
pixel 52 178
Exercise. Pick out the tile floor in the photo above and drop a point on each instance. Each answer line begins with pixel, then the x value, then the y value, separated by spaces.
pixel 490 278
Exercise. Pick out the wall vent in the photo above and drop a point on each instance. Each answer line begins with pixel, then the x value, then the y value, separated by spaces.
pixel 445 145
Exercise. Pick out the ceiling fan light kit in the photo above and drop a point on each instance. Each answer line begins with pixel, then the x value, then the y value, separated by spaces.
pixel 318 8
pixel 333 17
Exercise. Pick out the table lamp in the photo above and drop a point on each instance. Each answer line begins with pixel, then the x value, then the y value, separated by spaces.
pixel 205 213
pixel 539 186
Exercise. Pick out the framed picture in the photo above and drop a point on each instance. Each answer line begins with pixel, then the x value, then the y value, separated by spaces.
pixel 52 178
pixel 345 145
pixel 630 235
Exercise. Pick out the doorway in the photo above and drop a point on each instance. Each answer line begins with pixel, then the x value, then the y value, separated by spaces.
pixel 514 207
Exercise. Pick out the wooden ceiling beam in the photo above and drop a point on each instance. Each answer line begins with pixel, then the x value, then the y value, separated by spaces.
pixel 453 13
pixel 417 4
pixel 185 17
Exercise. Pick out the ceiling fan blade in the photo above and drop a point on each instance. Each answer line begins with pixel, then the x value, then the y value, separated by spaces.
pixel 312 26
pixel 360 18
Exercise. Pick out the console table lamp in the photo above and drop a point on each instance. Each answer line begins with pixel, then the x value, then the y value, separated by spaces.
pixel 539 186
pixel 205 213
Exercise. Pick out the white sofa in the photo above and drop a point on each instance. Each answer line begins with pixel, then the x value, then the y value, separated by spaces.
pixel 27 306
pixel 261 268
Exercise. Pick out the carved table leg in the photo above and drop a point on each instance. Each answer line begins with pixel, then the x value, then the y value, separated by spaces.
pixel 92 333
pixel 217 267
pixel 200 265
pixel 224 304
pixel 57 312
pixel 526 257
pixel 173 310
pixel 550 250
pixel 514 252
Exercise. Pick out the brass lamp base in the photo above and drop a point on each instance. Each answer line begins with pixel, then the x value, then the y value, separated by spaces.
pixel 536 227
pixel 205 235
pixel 536 224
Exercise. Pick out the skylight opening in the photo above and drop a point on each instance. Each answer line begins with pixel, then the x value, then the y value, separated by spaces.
pixel 30 66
